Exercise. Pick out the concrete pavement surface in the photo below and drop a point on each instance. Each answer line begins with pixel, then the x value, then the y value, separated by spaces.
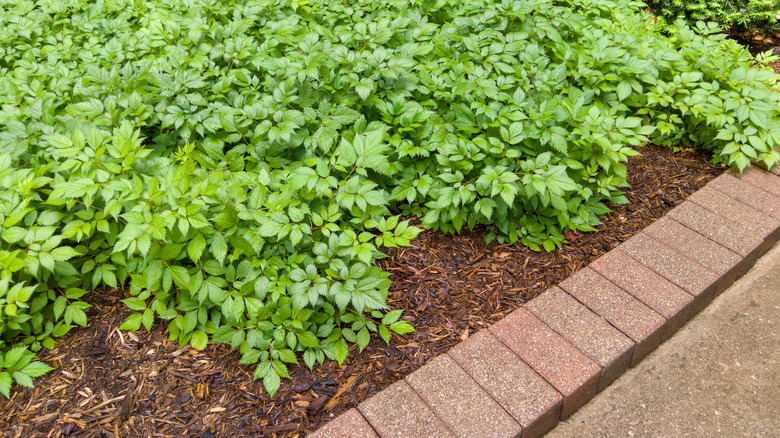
pixel 719 376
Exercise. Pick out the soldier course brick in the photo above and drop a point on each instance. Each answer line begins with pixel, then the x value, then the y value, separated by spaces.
pixel 723 231
pixel 526 396
pixel 747 194
pixel 460 402
pixel 350 424
pixel 590 333
pixel 754 220
pixel 629 315
pixel 697 247
pixel 565 367
pixel 762 179
pixel 397 411
pixel 658 293
pixel 695 279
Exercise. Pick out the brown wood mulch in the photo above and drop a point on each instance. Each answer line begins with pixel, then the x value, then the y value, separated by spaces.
pixel 109 383
pixel 760 43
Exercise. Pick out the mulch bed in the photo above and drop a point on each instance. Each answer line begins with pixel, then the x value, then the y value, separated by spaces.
pixel 760 43
pixel 109 383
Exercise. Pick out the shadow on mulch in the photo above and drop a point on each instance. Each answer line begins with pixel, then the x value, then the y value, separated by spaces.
pixel 760 43
pixel 109 383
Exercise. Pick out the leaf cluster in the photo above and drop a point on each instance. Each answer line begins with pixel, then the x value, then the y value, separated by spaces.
pixel 761 15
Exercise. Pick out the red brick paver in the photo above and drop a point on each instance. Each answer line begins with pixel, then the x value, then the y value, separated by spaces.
pixel 530 400
pixel 765 228
pixel 757 222
pixel 350 424
pixel 460 402
pixel 553 357
pixel 747 194
pixel 694 278
pixel 397 411
pixel 762 179
pixel 697 247
pixel 639 322
pixel 589 332
pixel 728 233
pixel 658 293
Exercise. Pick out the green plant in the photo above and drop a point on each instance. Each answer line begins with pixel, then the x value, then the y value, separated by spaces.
pixel 16 365
pixel 763 15
pixel 239 167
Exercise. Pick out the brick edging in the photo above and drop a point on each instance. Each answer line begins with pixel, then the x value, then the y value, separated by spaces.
pixel 543 361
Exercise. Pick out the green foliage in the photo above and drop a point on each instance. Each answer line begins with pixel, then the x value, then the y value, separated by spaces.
pixel 16 365
pixel 238 167
pixel 761 15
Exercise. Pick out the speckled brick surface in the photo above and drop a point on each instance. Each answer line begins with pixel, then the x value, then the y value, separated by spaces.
pixel 762 179
pixel 590 333
pixel 723 231
pixel 757 222
pixel 639 322
pixel 565 367
pixel 397 411
pixel 747 194
pixel 530 400
pixel 695 246
pixel 761 225
pixel 460 402
pixel 680 270
pixel 658 293
pixel 350 424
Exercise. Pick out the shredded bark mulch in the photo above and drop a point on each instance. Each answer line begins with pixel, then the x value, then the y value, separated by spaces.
pixel 761 42
pixel 109 383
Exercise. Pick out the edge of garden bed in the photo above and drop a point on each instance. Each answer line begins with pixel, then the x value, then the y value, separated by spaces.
pixel 543 361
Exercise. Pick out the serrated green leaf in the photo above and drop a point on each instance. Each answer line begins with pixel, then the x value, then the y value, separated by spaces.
pixel 132 322
pixel 263 369
pixel 135 303
pixel 180 276
pixel 36 369
pixel 14 357
pixel 384 333
pixel 23 379
pixel 195 247
pixel 363 338
pixel 281 370
pixel 341 350
pixel 63 253
pixel 308 339
pixel 309 358
pixel 391 316
pixel 271 383
pixel 401 327
pixel 199 340
pixel 5 384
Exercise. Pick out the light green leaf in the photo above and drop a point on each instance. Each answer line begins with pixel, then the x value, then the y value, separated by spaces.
pixel 271 382
pixel 199 340
pixel 5 384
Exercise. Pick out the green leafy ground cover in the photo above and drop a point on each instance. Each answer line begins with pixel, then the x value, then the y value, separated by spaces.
pixel 238 166
pixel 761 15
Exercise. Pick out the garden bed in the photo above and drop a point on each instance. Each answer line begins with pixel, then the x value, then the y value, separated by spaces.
pixel 112 383
pixel 109 382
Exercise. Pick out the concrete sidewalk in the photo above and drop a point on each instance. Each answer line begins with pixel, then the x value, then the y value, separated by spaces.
pixel 718 376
